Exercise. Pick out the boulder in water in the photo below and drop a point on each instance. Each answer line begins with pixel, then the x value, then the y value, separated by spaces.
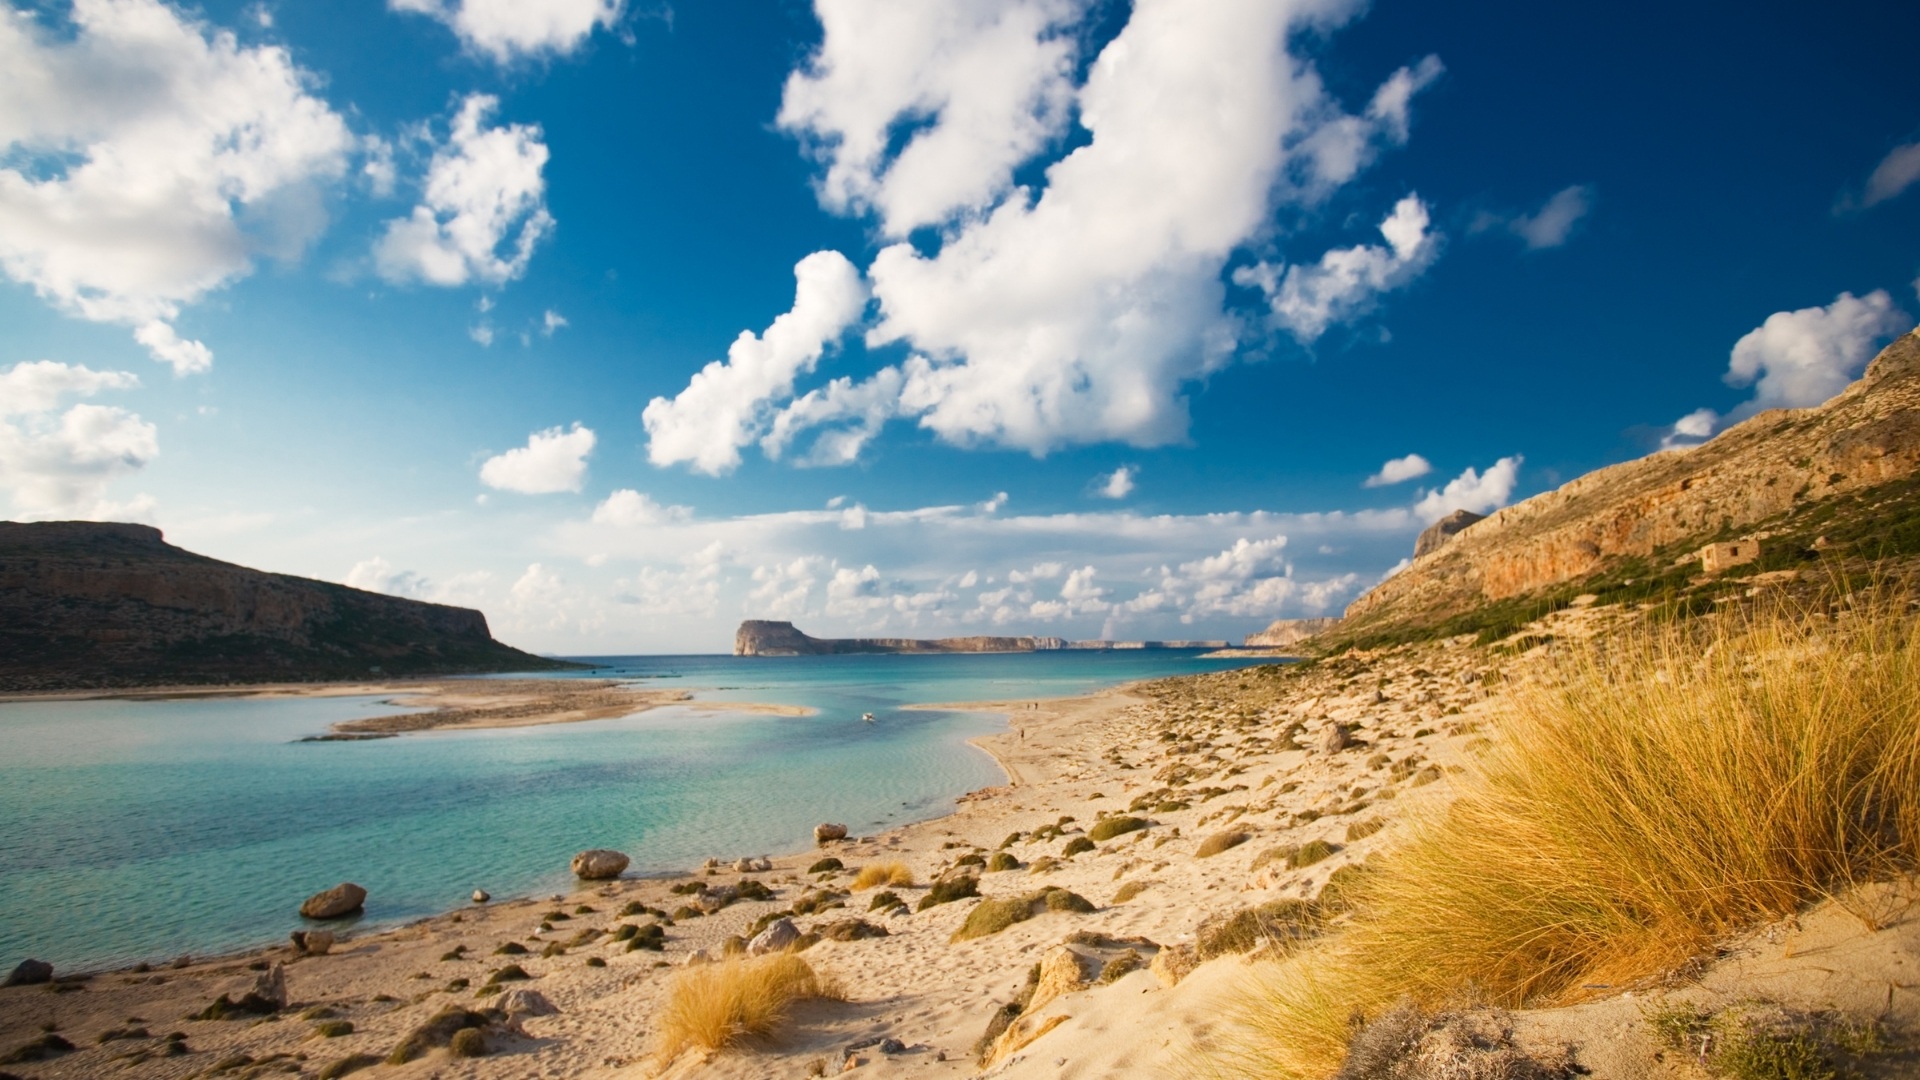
pixel 481 896
pixel 338 902
pixel 825 834
pixel 599 864
pixel 30 972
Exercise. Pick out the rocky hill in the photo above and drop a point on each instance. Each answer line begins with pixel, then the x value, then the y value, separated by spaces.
pixel 1835 481
pixel 89 604
pixel 1284 632
pixel 760 637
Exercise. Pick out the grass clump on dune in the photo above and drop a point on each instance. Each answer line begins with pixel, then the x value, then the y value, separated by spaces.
pixel 1221 841
pixel 714 1006
pixel 1673 785
pixel 994 915
pixel 874 875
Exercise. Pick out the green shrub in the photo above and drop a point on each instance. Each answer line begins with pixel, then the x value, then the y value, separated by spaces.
pixel 1002 861
pixel 1107 828
pixel 1075 846
pixel 826 866
pixel 947 890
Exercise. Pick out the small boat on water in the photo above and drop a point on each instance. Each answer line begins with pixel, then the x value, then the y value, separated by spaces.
pixel 867 716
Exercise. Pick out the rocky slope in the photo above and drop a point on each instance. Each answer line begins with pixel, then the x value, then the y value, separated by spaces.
pixel 761 637
pixel 89 604
pixel 1846 466
pixel 1284 632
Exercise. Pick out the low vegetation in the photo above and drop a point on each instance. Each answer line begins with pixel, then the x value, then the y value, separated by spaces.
pixel 874 875
pixel 714 1006
pixel 1689 780
pixel 996 914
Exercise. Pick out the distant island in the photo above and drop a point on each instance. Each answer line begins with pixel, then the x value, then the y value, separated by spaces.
pixel 763 637
pixel 98 605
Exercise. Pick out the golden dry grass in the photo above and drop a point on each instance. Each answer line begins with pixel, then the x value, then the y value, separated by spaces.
pixel 874 875
pixel 713 1006
pixel 1662 790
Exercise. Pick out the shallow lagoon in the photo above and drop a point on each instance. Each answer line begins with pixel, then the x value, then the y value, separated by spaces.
pixel 139 830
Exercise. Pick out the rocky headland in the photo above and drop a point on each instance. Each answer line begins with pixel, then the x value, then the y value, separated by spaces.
pixel 102 605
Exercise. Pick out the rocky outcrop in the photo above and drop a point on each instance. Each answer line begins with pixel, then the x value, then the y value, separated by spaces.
pixel 1287 632
pixel 338 902
pixel 761 637
pixel 599 864
pixel 97 604
pixel 1775 462
pixel 827 832
pixel 1435 536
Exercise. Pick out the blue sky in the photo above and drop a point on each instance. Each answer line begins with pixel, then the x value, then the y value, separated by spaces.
pixel 1065 317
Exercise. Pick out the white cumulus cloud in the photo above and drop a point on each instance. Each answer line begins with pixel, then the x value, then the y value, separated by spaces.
pixel 1117 484
pixel 58 464
pixel 1480 492
pixel 1399 470
pixel 1073 310
pixel 1345 284
pixel 553 460
pixel 1801 358
pixel 147 159
pixel 730 403
pixel 992 78
pixel 379 575
pixel 1552 224
pixel 483 209
pixel 629 508
pixel 505 30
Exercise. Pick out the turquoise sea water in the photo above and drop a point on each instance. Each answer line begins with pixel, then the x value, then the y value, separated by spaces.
pixel 139 830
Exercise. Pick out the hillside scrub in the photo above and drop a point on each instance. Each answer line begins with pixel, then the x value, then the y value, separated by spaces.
pixel 1651 794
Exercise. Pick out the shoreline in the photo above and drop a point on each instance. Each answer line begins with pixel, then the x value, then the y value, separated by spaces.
pixel 1061 759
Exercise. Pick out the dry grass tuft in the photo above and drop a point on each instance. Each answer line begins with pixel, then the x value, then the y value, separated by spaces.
pixel 714 1006
pixel 875 875
pixel 1665 788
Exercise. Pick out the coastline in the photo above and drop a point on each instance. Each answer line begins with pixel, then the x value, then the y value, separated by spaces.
pixel 1066 760
pixel 448 704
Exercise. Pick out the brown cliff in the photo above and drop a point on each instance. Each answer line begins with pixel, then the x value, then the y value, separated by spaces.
pixel 1764 473
pixel 762 637
pixel 91 604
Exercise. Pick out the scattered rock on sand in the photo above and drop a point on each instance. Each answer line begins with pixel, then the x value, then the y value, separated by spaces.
pixel 312 942
pixel 518 1003
pixel 827 833
pixel 1172 963
pixel 269 989
pixel 30 972
pixel 338 902
pixel 1062 971
pixel 752 866
pixel 1334 739
pixel 775 938
pixel 599 864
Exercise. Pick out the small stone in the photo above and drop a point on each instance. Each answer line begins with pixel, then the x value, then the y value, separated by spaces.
pixel 481 896
pixel 827 833
pixel 312 942
pixel 338 902
pixel 1334 739
pixel 892 1046
pixel 599 864
pixel 525 1003
pixel 30 973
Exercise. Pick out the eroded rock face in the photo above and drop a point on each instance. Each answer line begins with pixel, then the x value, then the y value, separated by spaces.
pixel 338 902
pixel 1435 536
pixel 599 864
pixel 1753 471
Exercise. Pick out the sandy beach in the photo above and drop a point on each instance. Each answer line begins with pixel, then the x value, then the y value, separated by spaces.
pixel 1255 785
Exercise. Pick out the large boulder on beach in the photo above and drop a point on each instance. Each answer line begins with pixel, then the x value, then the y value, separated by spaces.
pixel 269 990
pixel 30 972
pixel 825 834
pixel 599 864
pixel 775 938
pixel 338 902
